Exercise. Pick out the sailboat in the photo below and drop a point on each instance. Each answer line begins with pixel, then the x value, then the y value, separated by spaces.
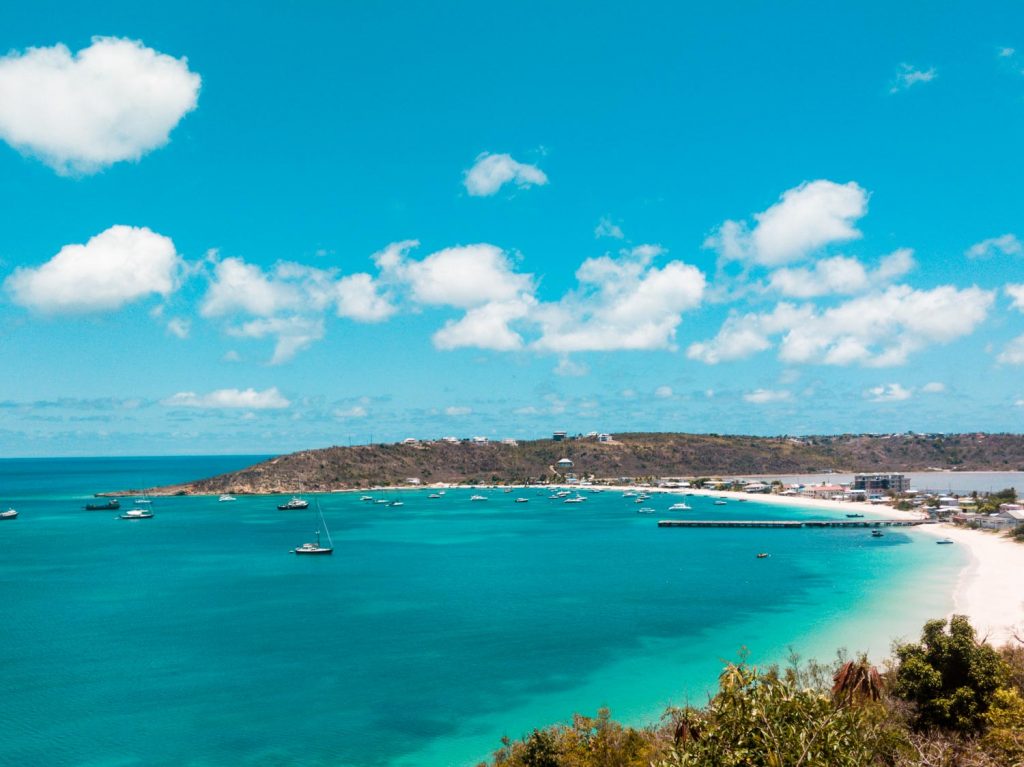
pixel 317 548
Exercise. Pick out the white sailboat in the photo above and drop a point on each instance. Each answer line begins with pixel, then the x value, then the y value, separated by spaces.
pixel 317 548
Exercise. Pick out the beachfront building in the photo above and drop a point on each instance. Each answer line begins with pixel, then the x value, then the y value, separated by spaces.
pixel 823 492
pixel 881 483
pixel 604 438
pixel 510 442
pixel 757 487
pixel 558 436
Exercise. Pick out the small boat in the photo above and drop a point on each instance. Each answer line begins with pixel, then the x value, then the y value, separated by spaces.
pixel 941 541
pixel 763 555
pixel 381 500
pixel 645 510
pixel 478 498
pixel 9 514
pixel 112 505
pixel 855 516
pixel 396 503
pixel 508 489
pixel 522 500
pixel 142 501
pixel 562 494
pixel 877 533
pixel 316 548
pixel 577 499
pixel 137 514
pixel 720 503
pixel 434 495
pixel 295 504
pixel 226 498
pixel 678 507
pixel 741 500
pixel 629 494
pixel 366 498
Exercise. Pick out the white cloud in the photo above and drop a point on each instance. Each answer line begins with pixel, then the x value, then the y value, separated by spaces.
pixel 893 392
pixel 359 298
pixel 766 396
pixel 875 330
pixel 243 288
pixel 1016 294
pixel 248 399
pixel 622 303
pixel 492 171
pixel 114 268
pixel 463 276
pixel 485 327
pixel 1013 353
pixel 607 228
pixel 179 327
pixel 231 356
pixel 356 411
pixel 663 392
pixel 1005 244
pixel 455 411
pixel 569 369
pixel 292 334
pixel 934 387
pixel 908 75
pixel 743 335
pixel 806 218
pixel 113 101
pixel 840 275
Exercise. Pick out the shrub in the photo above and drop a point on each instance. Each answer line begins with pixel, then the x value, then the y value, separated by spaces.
pixel 949 677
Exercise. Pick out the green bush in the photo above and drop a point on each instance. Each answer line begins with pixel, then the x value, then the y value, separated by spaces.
pixel 949 677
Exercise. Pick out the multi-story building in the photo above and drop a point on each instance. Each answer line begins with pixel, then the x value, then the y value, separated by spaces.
pixel 881 483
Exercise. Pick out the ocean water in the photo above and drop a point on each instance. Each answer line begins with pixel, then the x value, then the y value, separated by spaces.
pixel 196 638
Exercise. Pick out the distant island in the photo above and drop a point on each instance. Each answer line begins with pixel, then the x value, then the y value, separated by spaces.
pixel 607 457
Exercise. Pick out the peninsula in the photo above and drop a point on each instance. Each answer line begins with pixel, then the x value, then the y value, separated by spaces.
pixel 609 457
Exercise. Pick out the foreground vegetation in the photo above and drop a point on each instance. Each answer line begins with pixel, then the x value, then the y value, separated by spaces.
pixel 946 701
pixel 629 455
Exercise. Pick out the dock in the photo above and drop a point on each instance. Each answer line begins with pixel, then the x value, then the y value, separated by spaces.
pixel 790 523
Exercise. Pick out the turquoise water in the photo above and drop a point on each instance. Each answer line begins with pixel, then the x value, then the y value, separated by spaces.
pixel 196 638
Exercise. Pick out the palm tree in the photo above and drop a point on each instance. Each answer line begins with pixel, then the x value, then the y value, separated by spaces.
pixel 857 680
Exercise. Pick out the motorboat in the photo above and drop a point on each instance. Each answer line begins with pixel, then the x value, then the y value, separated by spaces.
pixel 9 514
pixel 877 533
pixel 854 516
pixel 678 507
pixel 366 498
pixel 645 510
pixel 381 500
pixel 142 502
pixel 226 498
pixel 762 555
pixel 434 495
pixel 720 503
pixel 112 505
pixel 478 498
pixel 137 514
pixel 941 541
pixel 629 494
pixel 577 499
pixel 396 503
pixel 522 500
pixel 295 504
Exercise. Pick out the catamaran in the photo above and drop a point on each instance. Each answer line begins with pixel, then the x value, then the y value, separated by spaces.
pixel 317 548
pixel 137 514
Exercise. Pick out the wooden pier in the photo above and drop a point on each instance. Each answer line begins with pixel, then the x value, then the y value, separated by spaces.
pixel 790 523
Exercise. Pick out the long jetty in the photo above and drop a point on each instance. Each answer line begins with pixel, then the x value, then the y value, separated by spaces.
pixel 790 523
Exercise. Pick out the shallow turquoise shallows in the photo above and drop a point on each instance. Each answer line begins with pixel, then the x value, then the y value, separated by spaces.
pixel 196 638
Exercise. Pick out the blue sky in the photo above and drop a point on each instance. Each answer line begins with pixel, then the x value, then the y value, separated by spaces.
pixel 756 219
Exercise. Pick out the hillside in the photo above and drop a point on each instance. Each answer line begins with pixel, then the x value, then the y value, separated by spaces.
pixel 630 455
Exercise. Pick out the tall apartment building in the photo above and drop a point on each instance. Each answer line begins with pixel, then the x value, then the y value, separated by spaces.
pixel 881 483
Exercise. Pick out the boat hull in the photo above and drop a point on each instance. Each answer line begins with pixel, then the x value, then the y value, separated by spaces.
pixel 314 552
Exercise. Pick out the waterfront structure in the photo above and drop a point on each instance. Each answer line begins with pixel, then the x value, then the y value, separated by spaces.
pixel 823 492
pixel 887 483
pixel 604 438
pixel 558 436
